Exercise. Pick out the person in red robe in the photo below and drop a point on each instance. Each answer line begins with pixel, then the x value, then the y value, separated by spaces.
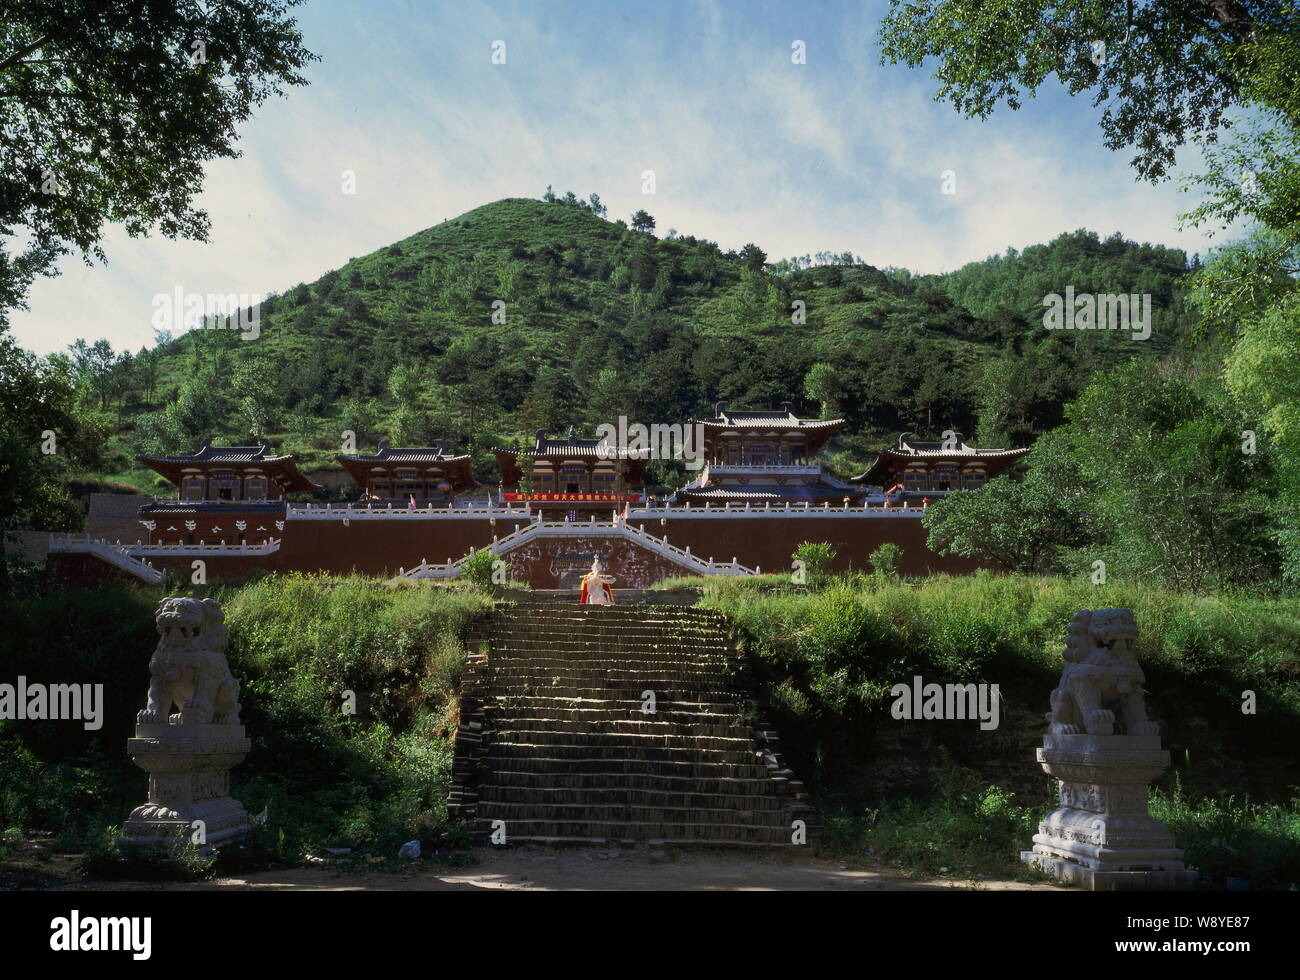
pixel 596 587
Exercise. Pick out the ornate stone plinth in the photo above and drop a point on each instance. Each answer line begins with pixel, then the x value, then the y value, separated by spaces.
pixel 1102 837
pixel 189 780
pixel 188 753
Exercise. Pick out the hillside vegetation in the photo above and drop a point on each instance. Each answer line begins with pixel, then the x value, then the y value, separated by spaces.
pixel 524 314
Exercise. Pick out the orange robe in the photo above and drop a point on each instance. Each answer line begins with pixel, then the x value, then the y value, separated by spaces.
pixel 593 585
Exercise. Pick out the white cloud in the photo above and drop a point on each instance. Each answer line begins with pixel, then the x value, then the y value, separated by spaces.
pixel 836 154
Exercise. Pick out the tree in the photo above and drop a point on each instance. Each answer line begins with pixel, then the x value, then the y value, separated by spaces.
pixel 254 387
pixel 753 257
pixel 884 560
pixel 1172 490
pixel 1166 71
pixel 823 385
pixel 44 432
pixel 110 111
pixel 1021 525
pixel 642 221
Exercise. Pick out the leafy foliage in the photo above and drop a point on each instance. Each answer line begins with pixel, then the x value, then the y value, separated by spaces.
pixel 112 110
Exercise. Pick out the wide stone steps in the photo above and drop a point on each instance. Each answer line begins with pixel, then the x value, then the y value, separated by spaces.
pixel 602 812
pixel 681 703
pixel 601 795
pixel 609 675
pixel 567 733
pixel 595 784
pixel 628 724
pixel 502 749
pixel 633 768
pixel 622 722
pixel 554 746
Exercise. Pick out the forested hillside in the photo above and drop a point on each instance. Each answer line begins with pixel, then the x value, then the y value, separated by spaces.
pixel 525 314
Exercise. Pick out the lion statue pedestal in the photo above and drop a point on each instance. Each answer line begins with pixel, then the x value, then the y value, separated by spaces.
pixel 188 754
pixel 1102 837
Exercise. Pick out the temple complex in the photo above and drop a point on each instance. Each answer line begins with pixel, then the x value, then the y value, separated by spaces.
pixel 395 477
pixel 224 495
pixel 571 474
pixel 758 491
pixel 765 457
pixel 915 471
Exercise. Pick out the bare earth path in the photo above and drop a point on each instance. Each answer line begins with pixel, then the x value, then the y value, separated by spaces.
pixel 548 869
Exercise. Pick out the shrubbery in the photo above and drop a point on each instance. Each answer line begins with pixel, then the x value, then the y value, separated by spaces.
pixel 299 643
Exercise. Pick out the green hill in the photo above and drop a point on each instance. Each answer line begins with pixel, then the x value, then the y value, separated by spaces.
pixel 594 319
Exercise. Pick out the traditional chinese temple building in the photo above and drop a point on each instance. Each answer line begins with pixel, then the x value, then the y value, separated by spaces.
pixel 931 470
pixel 429 476
pixel 765 457
pixel 224 495
pixel 760 492
pixel 571 474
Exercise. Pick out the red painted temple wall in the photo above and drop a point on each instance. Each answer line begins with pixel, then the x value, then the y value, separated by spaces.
pixel 383 546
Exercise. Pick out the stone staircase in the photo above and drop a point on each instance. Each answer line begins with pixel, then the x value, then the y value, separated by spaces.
pixel 554 741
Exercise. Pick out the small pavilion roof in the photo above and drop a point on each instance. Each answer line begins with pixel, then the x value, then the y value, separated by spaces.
pixel 359 465
pixel 910 449
pixel 209 457
pixel 570 447
pixel 766 419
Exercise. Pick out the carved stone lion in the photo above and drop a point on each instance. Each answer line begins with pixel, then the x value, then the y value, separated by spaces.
pixel 188 668
pixel 1101 677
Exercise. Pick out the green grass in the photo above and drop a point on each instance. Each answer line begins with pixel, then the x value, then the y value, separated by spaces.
pixel 299 644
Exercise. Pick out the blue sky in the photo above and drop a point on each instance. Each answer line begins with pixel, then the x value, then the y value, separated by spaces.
pixel 840 153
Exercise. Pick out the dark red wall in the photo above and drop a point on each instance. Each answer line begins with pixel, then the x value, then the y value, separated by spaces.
pixel 383 546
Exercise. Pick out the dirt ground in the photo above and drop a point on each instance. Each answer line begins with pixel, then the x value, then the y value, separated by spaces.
pixel 530 868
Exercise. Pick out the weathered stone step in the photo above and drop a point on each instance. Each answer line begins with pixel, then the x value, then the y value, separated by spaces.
pixel 631 830
pixel 578 661
pixel 629 709
pixel 532 812
pixel 705 845
pixel 610 673
pixel 533 764
pixel 504 749
pixel 598 782
pixel 611 796
pixel 679 702
pixel 516 693
pixel 628 724
pixel 646 737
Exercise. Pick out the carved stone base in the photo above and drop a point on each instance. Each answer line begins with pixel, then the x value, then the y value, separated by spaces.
pixel 1102 837
pixel 189 784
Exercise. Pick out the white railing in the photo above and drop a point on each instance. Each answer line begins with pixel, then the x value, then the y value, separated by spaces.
pixel 319 512
pixel 202 548
pixel 765 469
pixel 785 509
pixel 618 527
pixel 115 554
pixel 362 512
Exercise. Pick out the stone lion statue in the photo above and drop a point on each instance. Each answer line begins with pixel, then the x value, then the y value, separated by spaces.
pixel 1101 678
pixel 188 668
